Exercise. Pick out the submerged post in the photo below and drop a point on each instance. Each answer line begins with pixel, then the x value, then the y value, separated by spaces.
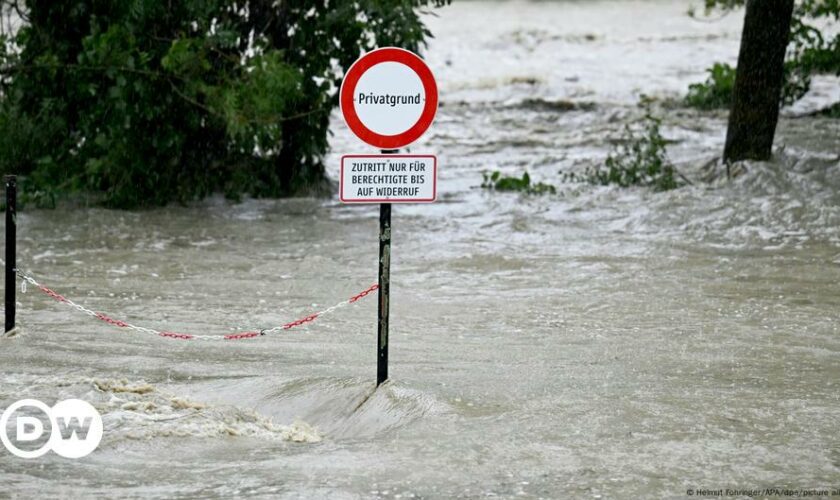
pixel 381 178
pixel 384 287
pixel 11 250
pixel 384 291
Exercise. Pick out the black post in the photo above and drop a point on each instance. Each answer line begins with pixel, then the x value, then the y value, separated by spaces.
pixel 384 287
pixel 384 291
pixel 11 249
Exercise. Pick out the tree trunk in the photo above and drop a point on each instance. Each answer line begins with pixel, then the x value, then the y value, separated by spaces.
pixel 758 82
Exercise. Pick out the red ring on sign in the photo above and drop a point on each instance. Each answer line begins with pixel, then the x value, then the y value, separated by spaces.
pixel 354 74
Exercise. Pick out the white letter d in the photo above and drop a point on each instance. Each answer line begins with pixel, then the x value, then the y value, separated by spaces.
pixel 29 428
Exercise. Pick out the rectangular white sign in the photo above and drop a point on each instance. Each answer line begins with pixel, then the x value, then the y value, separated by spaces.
pixel 388 179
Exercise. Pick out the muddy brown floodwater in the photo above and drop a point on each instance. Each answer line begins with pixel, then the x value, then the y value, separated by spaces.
pixel 594 343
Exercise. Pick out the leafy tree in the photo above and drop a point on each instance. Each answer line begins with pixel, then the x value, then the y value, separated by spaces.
pixel 810 51
pixel 150 101
pixel 758 81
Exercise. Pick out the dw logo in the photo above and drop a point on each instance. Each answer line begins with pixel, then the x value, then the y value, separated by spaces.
pixel 72 428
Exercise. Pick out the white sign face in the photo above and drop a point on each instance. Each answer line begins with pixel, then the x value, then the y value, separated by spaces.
pixel 389 98
pixel 388 179
pixel 382 110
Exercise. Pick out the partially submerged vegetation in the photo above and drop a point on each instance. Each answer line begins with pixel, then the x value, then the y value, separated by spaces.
pixel 497 182
pixel 639 159
pixel 716 91
pixel 144 102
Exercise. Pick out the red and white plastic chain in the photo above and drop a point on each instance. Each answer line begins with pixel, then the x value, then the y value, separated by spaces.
pixel 185 336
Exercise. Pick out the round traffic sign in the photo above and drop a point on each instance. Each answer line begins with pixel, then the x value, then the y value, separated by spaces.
pixel 389 97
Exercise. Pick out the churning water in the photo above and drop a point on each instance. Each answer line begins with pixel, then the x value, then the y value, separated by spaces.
pixel 594 343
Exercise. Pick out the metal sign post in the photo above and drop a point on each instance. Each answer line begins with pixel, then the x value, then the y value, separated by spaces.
pixel 388 99
pixel 11 250
pixel 384 291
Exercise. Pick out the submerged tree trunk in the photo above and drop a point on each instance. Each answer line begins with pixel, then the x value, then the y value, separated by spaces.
pixel 758 83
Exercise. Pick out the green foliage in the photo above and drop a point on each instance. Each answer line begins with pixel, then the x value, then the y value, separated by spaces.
pixel 716 91
pixel 832 111
pixel 638 159
pixel 150 101
pixel 497 182
pixel 810 52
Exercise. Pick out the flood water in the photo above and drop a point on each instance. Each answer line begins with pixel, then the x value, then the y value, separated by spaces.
pixel 595 343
